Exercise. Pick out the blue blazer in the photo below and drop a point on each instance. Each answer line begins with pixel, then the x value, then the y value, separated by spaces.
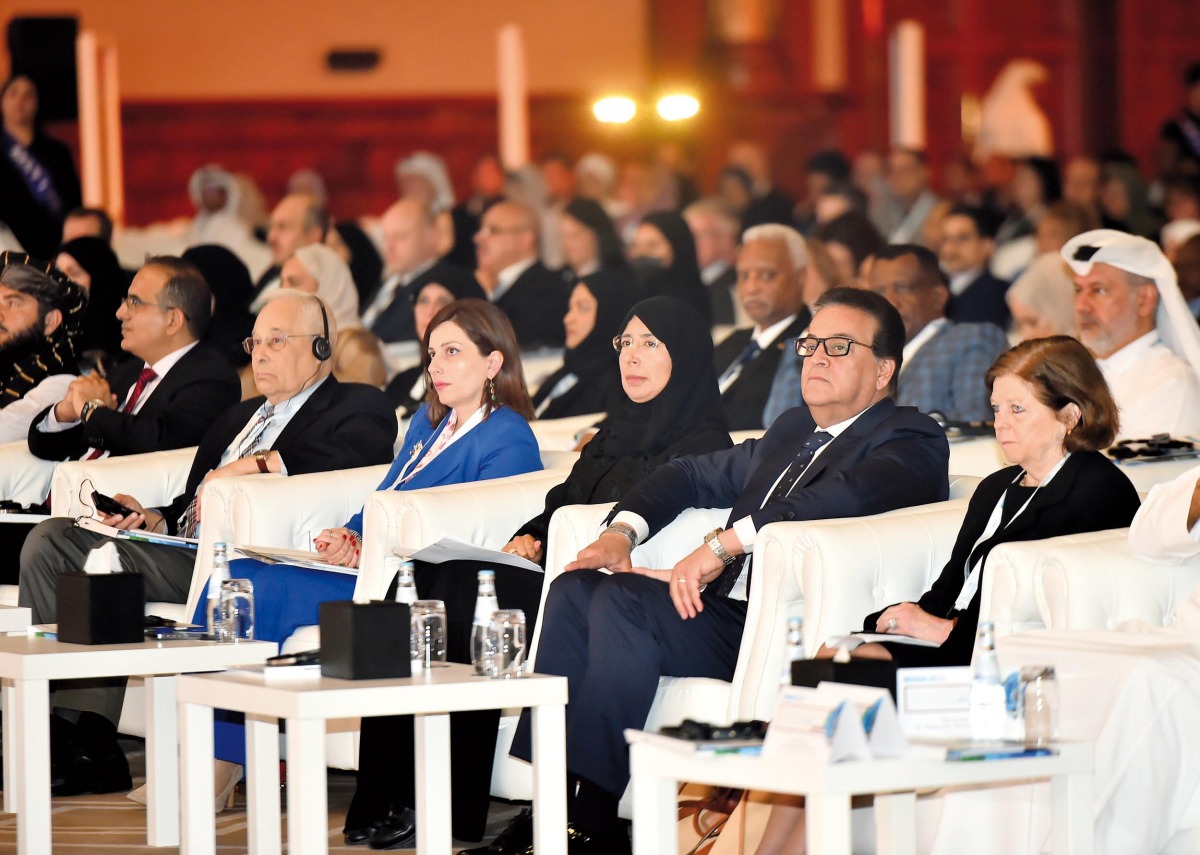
pixel 501 445
pixel 947 375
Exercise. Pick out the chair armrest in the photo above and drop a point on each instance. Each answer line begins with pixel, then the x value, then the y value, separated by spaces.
pixel 23 477
pixel 1008 588
pixel 1093 581
pixel 276 510
pixel 979 455
pixel 154 479
pixel 560 434
pixel 484 513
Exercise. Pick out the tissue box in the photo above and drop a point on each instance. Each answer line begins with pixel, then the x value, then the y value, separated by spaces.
pixel 857 672
pixel 101 608
pixel 365 641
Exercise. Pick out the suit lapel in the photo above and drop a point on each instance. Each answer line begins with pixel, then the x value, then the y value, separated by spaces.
pixel 320 401
pixel 849 439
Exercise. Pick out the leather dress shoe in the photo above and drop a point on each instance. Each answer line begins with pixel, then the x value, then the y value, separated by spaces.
pixel 398 831
pixel 360 836
pixel 515 839
pixel 86 773
pixel 579 843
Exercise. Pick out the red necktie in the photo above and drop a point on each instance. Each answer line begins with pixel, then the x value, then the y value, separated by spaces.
pixel 140 386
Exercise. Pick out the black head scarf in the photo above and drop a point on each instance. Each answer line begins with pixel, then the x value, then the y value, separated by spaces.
pixel 688 403
pixel 101 329
pixel 610 251
pixel 53 354
pixel 232 288
pixel 682 278
pixel 366 267
pixel 462 287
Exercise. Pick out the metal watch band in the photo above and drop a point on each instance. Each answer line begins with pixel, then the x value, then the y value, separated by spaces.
pixel 626 531
pixel 713 541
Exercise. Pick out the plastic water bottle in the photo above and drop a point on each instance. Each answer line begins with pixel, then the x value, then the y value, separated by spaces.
pixel 220 573
pixel 987 700
pixel 486 605
pixel 406 585
pixel 794 649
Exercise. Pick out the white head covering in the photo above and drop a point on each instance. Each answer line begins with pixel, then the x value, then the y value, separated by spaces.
pixel 213 175
pixel 1046 288
pixel 335 285
pixel 1142 257
pixel 433 168
pixel 1179 232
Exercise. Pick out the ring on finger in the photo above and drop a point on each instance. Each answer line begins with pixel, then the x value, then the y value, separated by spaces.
pixel 892 624
pixel 681 581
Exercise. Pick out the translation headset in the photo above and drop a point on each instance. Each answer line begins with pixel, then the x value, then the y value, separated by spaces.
pixel 321 348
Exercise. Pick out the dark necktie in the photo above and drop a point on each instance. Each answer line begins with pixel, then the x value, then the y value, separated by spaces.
pixel 735 369
pixel 724 583
pixel 140 386
pixel 188 524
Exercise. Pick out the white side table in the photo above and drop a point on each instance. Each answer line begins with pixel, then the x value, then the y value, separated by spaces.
pixel 828 789
pixel 307 702
pixel 27 665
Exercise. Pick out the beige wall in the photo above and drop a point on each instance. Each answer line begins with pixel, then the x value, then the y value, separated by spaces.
pixel 182 49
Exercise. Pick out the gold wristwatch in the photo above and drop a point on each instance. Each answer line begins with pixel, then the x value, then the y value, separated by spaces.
pixel 713 541
pixel 260 457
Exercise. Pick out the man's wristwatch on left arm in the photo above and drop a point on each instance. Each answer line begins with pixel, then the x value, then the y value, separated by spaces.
pixel 89 408
pixel 713 541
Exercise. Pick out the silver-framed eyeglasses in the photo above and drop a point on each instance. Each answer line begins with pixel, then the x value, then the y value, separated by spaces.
pixel 835 345
pixel 273 342
pixel 622 343
pixel 133 302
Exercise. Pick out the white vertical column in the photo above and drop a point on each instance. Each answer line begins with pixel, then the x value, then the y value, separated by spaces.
pixel 91 145
pixel 906 62
pixel 513 97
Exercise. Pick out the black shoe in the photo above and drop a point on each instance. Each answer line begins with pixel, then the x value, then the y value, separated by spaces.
pixel 513 840
pixel 398 831
pixel 579 843
pixel 88 774
pixel 360 836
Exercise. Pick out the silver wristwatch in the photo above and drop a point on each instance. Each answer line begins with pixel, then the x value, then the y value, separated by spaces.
pixel 713 541
pixel 625 530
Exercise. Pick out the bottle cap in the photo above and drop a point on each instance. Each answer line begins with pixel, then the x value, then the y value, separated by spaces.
pixel 486 574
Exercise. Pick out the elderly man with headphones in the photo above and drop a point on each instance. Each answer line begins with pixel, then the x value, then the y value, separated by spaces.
pixel 305 421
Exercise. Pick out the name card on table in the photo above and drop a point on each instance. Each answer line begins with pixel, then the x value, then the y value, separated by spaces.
pixel 835 722
pixel 934 703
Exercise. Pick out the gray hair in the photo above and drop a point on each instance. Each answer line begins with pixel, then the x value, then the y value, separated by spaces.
pixel 788 236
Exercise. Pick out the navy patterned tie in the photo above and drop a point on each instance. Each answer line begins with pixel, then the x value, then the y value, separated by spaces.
pixel 798 465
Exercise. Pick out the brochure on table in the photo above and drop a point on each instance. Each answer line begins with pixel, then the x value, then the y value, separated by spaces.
pixel 449 548
pixel 934 703
pixel 835 722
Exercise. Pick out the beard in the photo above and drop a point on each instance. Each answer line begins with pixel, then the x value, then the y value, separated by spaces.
pixel 19 345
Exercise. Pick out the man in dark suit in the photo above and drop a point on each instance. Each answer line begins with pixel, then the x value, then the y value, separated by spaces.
pixel 715 229
pixel 944 362
pixel 851 452
pixel 533 297
pixel 298 220
pixel 410 249
pixel 770 272
pixel 167 396
pixel 307 422
pixel 968 239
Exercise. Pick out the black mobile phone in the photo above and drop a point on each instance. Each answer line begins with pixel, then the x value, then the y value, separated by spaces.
pixel 109 505
pixel 307 657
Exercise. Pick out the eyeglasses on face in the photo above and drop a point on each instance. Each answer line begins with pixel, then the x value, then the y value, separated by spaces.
pixel 133 302
pixel 835 345
pixel 273 342
pixel 628 342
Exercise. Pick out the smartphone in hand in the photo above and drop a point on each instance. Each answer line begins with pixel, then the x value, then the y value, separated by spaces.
pixel 109 505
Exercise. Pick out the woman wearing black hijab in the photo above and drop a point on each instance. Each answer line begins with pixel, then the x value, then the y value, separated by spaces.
pixel 588 381
pixel 406 390
pixel 232 288
pixel 663 256
pixel 589 240
pixel 671 409
pixel 366 266
pixel 91 262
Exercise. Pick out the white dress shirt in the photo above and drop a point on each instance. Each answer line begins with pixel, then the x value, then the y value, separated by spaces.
pixel 279 420
pixel 1155 390
pixel 387 291
pixel 764 338
pixel 1159 531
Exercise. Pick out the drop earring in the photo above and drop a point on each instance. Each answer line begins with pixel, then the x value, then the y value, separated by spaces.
pixel 492 389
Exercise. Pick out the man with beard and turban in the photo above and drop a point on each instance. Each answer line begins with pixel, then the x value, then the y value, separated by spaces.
pixel 41 315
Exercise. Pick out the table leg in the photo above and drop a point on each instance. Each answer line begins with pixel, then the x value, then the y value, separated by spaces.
pixel 162 763
pixel 896 823
pixel 262 786
pixel 550 780
pixel 655 815
pixel 196 779
pixel 828 824
pixel 11 782
pixel 432 736
pixel 1074 813
pixel 307 803
pixel 31 735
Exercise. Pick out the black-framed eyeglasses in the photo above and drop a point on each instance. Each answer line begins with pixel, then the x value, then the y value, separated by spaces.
pixel 273 342
pixel 835 345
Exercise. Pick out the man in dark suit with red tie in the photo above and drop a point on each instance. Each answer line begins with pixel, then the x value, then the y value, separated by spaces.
pixel 851 452
pixel 167 396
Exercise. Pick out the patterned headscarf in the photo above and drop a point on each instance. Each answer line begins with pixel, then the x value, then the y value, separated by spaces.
pixel 55 353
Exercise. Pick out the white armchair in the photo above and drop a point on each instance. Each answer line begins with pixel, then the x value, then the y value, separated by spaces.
pixel 23 477
pixel 153 479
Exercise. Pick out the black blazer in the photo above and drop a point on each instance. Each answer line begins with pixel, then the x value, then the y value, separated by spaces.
pixel 396 322
pixel 745 400
pixel 536 304
pixel 181 407
pixel 342 426
pixel 891 457
pixel 982 302
pixel 1089 493
pixel 720 294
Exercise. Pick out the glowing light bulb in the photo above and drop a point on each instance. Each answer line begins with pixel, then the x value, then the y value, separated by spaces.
pixel 676 107
pixel 615 110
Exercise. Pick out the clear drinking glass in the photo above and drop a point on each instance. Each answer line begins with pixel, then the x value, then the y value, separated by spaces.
pixel 1040 685
pixel 237 610
pixel 506 638
pixel 428 634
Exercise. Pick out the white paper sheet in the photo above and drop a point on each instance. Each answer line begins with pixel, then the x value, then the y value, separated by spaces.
pixel 451 549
